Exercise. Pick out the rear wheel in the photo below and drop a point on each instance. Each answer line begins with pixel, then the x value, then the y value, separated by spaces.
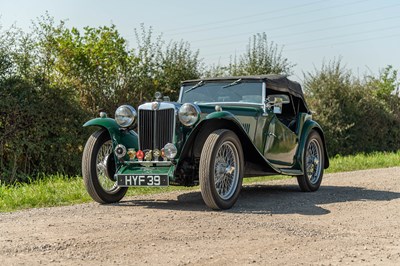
pixel 98 169
pixel 313 163
pixel 221 169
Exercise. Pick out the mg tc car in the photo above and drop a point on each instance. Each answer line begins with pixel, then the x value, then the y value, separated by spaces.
pixel 220 131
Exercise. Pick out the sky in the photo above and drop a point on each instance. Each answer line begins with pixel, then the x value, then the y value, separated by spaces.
pixel 365 34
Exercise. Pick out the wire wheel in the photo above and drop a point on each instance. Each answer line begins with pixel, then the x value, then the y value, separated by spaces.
pixel 102 160
pixel 98 169
pixel 313 161
pixel 221 169
pixel 226 170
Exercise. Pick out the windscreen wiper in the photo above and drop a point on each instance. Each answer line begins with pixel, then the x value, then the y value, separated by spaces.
pixel 201 83
pixel 233 83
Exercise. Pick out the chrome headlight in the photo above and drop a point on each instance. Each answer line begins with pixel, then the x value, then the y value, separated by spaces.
pixel 125 115
pixel 189 114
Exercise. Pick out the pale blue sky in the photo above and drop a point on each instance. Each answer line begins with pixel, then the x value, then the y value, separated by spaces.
pixel 366 33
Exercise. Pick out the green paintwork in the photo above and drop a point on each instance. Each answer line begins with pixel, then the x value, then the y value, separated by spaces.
pixel 243 116
pixel 307 126
pixel 280 143
pixel 128 138
pixel 235 110
pixel 284 152
pixel 253 117
pixel 234 114
pixel 219 115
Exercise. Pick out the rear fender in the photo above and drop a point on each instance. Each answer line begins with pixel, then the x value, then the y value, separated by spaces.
pixel 308 126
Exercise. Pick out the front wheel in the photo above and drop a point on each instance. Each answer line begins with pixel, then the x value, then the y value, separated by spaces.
pixel 221 169
pixel 98 169
pixel 313 163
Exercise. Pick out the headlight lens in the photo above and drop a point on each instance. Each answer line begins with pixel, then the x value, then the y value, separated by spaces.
pixel 125 115
pixel 189 114
pixel 170 151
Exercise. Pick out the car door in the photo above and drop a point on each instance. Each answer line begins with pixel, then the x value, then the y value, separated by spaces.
pixel 280 142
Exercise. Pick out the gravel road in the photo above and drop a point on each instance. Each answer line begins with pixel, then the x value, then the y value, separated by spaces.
pixel 353 219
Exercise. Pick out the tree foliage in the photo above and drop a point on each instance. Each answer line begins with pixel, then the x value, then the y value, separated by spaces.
pixel 106 73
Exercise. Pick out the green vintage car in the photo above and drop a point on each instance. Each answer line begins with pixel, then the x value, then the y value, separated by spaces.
pixel 218 132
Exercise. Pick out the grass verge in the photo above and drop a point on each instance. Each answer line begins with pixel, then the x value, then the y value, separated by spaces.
pixel 57 190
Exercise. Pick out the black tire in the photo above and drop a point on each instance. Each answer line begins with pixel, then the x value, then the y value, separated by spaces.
pixel 213 168
pixel 313 164
pixel 92 171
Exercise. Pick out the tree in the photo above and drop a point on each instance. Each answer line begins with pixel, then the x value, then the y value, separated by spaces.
pixel 386 84
pixel 162 67
pixel 261 57
pixel 97 64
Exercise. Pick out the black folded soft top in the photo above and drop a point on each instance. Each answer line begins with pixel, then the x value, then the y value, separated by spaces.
pixel 272 81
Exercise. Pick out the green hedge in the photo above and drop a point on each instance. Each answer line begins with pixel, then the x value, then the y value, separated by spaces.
pixel 41 131
pixel 356 115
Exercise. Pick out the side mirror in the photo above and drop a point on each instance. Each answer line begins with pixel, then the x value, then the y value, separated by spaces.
pixel 276 101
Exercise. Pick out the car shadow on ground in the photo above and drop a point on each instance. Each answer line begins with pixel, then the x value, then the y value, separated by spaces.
pixel 272 199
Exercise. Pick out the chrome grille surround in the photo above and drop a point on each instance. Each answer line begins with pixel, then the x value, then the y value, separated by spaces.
pixel 156 127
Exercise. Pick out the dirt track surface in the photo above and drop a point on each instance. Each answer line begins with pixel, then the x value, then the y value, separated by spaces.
pixel 354 218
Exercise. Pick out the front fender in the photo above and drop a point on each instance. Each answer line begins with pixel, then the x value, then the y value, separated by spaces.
pixel 128 138
pixel 222 114
pixel 308 126
pixel 211 122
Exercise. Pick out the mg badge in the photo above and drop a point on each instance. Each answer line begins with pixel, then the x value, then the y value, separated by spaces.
pixel 155 105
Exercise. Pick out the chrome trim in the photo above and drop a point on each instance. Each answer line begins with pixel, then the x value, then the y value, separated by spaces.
pixel 264 98
pixel 133 111
pixel 231 104
pixel 264 92
pixel 147 106
pixel 198 110
pixel 180 95
pixel 158 163
pixel 154 128
pixel 162 106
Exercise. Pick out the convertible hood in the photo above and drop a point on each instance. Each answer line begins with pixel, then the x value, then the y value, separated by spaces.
pixel 272 81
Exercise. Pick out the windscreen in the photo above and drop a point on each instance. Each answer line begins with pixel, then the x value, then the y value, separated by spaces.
pixel 208 92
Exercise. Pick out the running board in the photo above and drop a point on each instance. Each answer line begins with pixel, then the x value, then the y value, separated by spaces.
pixel 291 172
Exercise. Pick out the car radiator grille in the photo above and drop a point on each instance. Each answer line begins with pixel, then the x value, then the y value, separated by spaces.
pixel 156 128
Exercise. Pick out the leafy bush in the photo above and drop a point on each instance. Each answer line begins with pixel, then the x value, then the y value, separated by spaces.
pixel 41 129
pixel 40 120
pixel 353 117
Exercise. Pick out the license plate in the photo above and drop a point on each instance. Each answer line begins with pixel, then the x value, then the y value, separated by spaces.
pixel 142 180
